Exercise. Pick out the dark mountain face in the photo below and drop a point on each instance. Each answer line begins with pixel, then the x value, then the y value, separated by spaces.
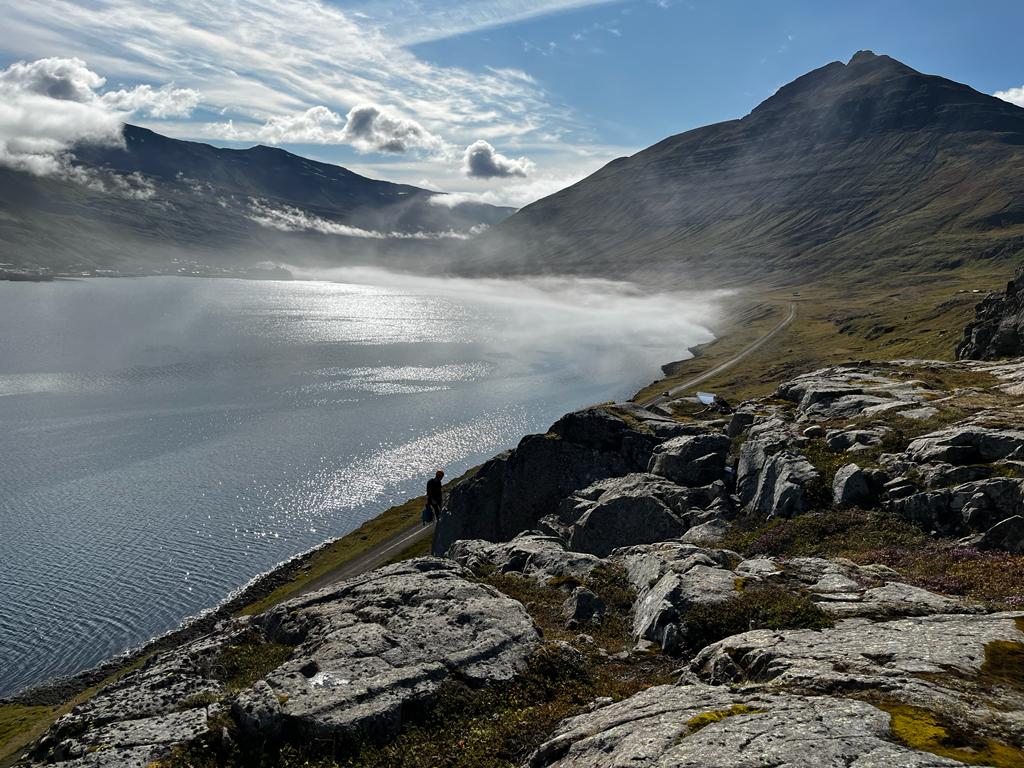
pixel 156 198
pixel 858 168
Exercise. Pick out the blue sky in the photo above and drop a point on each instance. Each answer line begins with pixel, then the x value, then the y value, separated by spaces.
pixel 501 100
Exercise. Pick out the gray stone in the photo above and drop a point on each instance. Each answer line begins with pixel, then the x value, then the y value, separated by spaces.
pixel 530 554
pixel 967 444
pixel 378 642
pixel 1007 534
pixel 691 461
pixel 622 521
pixel 258 713
pixel 513 491
pixel 813 431
pixel 583 607
pixel 657 727
pixel 850 488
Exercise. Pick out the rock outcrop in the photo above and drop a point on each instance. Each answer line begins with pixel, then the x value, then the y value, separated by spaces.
pixel 511 492
pixel 356 657
pixel 998 327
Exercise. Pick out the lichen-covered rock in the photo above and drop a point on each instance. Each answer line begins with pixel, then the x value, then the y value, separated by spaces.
pixel 365 651
pixel 697 725
pixel 963 510
pixel 381 641
pixel 936 662
pixel 967 444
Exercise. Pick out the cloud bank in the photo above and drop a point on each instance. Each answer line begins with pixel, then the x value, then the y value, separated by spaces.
pixel 1012 95
pixel 290 219
pixel 482 161
pixel 49 105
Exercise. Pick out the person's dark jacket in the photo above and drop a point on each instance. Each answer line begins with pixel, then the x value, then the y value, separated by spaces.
pixel 435 496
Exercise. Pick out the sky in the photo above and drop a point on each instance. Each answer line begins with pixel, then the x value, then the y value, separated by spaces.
pixel 502 101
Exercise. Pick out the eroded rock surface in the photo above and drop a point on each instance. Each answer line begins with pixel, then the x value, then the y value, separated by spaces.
pixel 364 651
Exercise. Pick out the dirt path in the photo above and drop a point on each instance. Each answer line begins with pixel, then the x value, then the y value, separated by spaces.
pixel 370 559
pixel 680 388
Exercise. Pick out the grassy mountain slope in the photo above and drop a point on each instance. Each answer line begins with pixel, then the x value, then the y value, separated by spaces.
pixel 855 169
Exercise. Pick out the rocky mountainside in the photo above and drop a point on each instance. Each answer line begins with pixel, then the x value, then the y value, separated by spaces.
pixel 998 328
pixel 830 576
pixel 868 167
pixel 155 196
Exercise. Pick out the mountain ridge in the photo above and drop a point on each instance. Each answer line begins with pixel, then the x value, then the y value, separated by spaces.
pixel 872 159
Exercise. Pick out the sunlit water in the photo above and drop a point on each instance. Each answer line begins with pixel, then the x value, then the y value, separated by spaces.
pixel 164 440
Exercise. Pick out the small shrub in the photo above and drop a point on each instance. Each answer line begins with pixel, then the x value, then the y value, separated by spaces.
pixel 767 607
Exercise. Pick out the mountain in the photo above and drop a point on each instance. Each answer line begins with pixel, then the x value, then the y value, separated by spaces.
pixel 156 197
pixel 855 169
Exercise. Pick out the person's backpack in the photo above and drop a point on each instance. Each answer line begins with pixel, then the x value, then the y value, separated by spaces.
pixel 428 513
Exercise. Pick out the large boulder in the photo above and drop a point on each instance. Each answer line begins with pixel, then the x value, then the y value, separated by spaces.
pixel 357 658
pixel 511 492
pixel 967 509
pixel 622 521
pixel 934 662
pixel 998 327
pixel 382 641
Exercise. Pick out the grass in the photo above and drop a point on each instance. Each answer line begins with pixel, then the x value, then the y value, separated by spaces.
pixel 21 725
pixel 239 666
pixel 836 322
pixel 707 718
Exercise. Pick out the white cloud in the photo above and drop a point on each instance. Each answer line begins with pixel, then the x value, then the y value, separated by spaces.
pixel 49 105
pixel 1012 95
pixel 291 219
pixel 366 127
pixel 482 161
pixel 167 101
pixel 369 129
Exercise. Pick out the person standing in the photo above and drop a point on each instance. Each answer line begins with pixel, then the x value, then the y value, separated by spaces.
pixel 435 498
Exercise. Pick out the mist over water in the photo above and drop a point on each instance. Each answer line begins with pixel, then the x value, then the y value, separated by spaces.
pixel 164 440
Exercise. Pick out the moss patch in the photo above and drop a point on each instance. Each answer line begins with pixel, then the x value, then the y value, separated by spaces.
pixel 16 719
pixel 239 666
pixel 929 732
pixel 707 718
pixel 1004 663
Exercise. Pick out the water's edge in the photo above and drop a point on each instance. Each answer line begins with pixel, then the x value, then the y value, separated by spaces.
pixel 61 689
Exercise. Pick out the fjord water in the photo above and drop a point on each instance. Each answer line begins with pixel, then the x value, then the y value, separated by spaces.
pixel 164 440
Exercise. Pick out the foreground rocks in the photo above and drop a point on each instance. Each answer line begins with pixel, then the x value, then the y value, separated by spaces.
pixel 359 657
pixel 617 510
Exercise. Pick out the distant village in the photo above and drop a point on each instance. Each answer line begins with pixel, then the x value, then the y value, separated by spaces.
pixel 175 268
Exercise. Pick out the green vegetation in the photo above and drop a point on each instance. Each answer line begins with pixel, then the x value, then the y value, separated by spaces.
pixel 930 732
pixel 239 666
pixel 544 603
pixel 759 607
pixel 17 720
pixel 707 718
pixel 996 578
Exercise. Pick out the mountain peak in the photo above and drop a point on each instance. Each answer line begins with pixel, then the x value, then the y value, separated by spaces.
pixel 862 57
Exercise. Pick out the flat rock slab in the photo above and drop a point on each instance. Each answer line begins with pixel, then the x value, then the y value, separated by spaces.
pixel 388 639
pixel 659 727
pixel 935 662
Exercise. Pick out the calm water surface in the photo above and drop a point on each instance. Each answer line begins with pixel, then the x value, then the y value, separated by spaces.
pixel 164 440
